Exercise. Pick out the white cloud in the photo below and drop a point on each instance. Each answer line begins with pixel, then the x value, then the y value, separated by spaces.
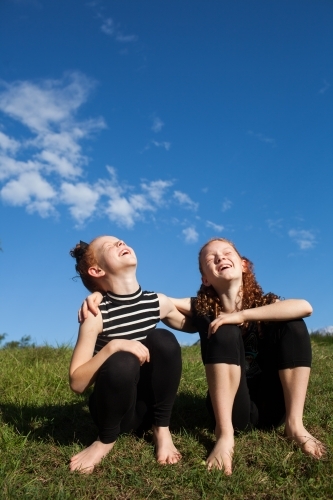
pixel 218 228
pixel 157 124
pixel 226 205
pixel 274 224
pixel 122 212
pixel 8 144
pixel 156 190
pixel 46 166
pixel 185 200
pixel 163 144
pixel 111 29
pixel 191 235
pixel 261 137
pixel 81 198
pixel 108 26
pixel 32 190
pixel 304 239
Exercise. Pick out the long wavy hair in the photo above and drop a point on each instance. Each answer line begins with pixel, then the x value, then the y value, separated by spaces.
pixel 250 294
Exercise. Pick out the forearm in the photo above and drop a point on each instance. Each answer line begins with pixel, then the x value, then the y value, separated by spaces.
pixel 283 310
pixel 84 375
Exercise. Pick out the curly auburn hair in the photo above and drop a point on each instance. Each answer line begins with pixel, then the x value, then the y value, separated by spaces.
pixel 85 258
pixel 250 294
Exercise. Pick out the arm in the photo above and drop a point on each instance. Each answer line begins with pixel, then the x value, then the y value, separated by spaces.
pixel 172 317
pixel 183 305
pixel 84 366
pixel 283 310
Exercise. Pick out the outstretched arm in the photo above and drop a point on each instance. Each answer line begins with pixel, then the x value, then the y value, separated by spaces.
pixel 172 317
pixel 283 310
pixel 183 305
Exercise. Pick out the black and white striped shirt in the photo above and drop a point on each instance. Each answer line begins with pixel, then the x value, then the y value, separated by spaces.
pixel 127 317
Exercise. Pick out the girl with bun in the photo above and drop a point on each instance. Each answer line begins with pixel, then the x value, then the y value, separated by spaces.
pixel 134 367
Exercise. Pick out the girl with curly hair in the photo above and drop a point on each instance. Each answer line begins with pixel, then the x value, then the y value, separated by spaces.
pixel 256 351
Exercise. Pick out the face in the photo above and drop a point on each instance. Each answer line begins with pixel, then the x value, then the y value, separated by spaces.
pixel 112 254
pixel 220 263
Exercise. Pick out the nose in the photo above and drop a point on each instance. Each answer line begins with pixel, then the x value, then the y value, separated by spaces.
pixel 120 243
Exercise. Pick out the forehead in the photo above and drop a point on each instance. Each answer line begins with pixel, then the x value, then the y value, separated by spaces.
pixel 104 240
pixel 217 246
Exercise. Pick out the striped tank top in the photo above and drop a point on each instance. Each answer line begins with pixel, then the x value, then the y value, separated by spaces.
pixel 127 317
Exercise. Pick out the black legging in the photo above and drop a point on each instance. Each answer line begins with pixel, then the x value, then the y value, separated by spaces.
pixel 128 396
pixel 259 400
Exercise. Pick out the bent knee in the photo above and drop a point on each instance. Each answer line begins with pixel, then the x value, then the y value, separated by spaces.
pixel 121 363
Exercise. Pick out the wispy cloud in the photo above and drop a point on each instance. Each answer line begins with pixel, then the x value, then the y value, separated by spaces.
pixel 110 28
pixel 216 227
pixel 45 168
pixel 157 124
pixel 304 239
pixel 162 144
pixel 325 87
pixel 190 234
pixel 185 200
pixel 261 137
pixel 226 205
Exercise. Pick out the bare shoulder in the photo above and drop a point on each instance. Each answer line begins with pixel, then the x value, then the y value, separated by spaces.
pixel 165 305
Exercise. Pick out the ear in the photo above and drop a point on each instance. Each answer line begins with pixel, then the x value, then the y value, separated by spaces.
pixel 205 281
pixel 245 266
pixel 96 272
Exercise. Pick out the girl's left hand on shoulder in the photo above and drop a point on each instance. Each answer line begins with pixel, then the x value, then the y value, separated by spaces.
pixel 235 318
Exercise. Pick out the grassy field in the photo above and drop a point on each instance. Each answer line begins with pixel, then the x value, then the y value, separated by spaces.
pixel 42 424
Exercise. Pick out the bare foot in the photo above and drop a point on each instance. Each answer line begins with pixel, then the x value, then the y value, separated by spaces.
pixel 221 455
pixel 85 461
pixel 308 444
pixel 166 452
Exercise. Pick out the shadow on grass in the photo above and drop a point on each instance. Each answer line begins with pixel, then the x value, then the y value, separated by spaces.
pixel 63 424
pixel 71 422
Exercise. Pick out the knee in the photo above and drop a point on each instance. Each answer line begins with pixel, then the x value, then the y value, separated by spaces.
pixel 164 341
pixel 296 329
pixel 226 335
pixel 120 365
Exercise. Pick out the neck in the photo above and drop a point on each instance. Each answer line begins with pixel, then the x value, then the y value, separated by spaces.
pixel 124 284
pixel 230 297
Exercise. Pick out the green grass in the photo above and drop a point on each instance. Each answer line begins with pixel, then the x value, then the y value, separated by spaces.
pixel 42 424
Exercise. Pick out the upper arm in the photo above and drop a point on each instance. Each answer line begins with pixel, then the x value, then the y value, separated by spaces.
pixel 84 348
pixel 172 317
pixel 183 305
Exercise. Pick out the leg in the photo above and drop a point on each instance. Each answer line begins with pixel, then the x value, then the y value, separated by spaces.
pixel 290 343
pixel 112 406
pixel 225 372
pixel 160 378
pixel 295 364
pixel 295 382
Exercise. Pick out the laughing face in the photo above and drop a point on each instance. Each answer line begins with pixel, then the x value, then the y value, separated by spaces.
pixel 112 254
pixel 220 263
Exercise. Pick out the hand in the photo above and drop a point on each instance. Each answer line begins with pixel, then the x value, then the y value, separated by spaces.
pixel 91 304
pixel 133 346
pixel 234 318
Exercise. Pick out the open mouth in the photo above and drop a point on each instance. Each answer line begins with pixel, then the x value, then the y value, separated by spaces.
pixel 225 266
pixel 124 252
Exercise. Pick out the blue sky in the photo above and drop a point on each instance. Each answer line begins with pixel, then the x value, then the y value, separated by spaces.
pixel 164 123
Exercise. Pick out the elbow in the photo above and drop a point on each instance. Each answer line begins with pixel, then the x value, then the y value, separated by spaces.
pixel 308 310
pixel 76 387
